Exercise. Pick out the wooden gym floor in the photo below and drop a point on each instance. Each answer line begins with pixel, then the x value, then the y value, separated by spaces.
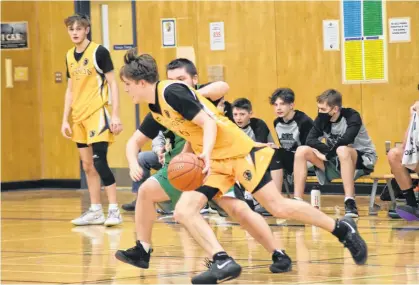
pixel 39 245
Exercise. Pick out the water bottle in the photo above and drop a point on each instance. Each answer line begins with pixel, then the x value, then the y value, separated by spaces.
pixel 315 197
pixel 416 191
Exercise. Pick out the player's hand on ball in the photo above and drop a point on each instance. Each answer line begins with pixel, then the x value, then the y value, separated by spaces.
pixel 66 130
pixel 206 158
pixel 136 172
pixel 116 125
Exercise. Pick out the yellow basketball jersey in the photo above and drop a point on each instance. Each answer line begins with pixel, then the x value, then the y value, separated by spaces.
pixel 89 85
pixel 231 141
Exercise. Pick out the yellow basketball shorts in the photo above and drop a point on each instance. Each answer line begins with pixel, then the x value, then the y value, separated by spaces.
pixel 95 128
pixel 248 170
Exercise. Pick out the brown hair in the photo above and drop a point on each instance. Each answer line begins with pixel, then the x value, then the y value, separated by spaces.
pixel 332 98
pixel 82 20
pixel 139 67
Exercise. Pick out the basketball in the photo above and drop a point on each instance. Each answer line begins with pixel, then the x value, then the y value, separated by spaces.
pixel 185 172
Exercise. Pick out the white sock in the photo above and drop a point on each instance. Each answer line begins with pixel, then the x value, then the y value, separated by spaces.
pixel 146 246
pixel 96 207
pixel 113 207
pixel 280 251
pixel 298 198
pixel 347 198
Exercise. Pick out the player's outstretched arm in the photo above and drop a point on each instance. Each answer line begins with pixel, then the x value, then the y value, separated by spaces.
pixel 209 127
pixel 214 90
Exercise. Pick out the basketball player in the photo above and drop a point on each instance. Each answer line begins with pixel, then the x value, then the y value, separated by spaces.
pixel 227 152
pixel 292 127
pixel 89 72
pixel 410 211
pixel 159 189
pixel 348 152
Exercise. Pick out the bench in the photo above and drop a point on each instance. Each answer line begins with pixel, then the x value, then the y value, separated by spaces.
pixel 373 208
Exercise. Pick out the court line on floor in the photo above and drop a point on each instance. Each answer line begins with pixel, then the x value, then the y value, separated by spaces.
pixel 36 238
pixel 227 223
pixel 40 282
pixel 245 267
pixel 357 278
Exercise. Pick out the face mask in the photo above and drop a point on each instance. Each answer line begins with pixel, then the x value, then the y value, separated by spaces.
pixel 325 117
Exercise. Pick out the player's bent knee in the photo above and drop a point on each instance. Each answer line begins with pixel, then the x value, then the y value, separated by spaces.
pixel 181 214
pixel 303 151
pixel 238 209
pixel 343 152
pixel 395 155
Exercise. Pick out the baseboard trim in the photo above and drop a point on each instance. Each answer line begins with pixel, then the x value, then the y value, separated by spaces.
pixel 337 188
pixel 43 183
pixel 333 188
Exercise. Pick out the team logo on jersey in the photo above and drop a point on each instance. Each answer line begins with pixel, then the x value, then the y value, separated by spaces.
pixel 85 62
pixel 184 133
pixel 92 133
pixel 167 113
pixel 247 175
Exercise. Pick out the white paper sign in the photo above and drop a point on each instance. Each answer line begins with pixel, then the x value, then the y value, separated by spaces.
pixel 168 32
pixel 217 36
pixel 331 34
pixel 399 30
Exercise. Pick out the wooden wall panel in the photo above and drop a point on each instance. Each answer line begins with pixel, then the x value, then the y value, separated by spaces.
pixel 59 156
pixel 20 133
pixel 249 59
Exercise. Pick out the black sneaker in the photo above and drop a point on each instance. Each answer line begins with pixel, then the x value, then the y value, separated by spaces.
pixel 218 271
pixel 136 256
pixel 353 241
pixel 350 209
pixel 408 213
pixel 130 206
pixel 281 262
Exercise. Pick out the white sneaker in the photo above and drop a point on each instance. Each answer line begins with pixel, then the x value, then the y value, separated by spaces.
pixel 90 218
pixel 114 218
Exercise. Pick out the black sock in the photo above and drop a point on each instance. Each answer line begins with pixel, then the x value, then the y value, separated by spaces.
pixel 220 256
pixel 410 197
pixel 340 230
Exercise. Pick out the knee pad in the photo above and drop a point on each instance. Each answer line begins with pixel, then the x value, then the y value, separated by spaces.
pixel 100 161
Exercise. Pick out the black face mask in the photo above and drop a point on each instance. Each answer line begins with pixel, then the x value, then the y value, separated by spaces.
pixel 324 117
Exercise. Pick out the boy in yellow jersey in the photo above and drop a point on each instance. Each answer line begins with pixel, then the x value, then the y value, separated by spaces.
pixel 90 73
pixel 158 189
pixel 228 153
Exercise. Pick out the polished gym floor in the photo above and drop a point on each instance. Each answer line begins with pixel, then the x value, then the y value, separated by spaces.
pixel 40 245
